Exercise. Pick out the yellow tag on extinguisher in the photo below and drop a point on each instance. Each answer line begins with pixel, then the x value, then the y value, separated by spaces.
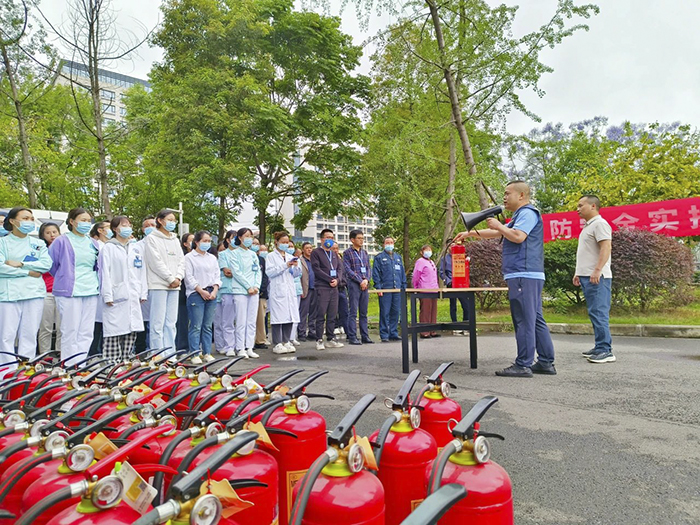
pixel 231 502
pixel 264 436
pixel 370 460
pixel 101 445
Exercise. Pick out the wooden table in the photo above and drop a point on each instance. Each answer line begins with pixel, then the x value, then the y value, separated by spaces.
pixel 414 328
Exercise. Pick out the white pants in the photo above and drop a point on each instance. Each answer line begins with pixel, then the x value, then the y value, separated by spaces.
pixel 218 329
pixel 246 320
pixel 19 320
pixel 49 318
pixel 163 319
pixel 77 325
pixel 295 326
pixel 226 310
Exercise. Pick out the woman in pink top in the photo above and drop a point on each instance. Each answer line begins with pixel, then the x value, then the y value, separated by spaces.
pixel 425 276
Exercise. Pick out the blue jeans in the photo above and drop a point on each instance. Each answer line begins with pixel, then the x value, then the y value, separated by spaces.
pixel 359 301
pixel 531 330
pixel 389 307
pixel 598 304
pixel 201 320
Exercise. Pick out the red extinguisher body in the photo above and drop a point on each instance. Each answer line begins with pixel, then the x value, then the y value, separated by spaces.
pixel 357 499
pixel 460 266
pixel 438 410
pixel 489 498
pixel 39 490
pixel 122 514
pixel 295 456
pixel 13 500
pixel 406 454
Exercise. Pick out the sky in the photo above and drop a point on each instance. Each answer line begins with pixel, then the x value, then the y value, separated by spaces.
pixel 639 61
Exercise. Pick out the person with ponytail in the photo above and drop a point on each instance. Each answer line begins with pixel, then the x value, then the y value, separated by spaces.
pixel 123 287
pixel 22 290
pixel 76 284
pixel 247 279
pixel 225 317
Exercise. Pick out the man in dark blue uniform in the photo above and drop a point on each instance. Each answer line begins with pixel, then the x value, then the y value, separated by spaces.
pixel 388 273
pixel 523 270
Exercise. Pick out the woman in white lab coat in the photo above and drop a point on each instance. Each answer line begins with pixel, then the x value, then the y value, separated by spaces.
pixel 123 288
pixel 281 268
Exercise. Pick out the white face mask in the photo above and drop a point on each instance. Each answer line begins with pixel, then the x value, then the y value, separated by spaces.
pixel 427 254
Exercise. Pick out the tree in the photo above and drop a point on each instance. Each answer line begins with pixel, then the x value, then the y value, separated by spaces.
pixel 260 104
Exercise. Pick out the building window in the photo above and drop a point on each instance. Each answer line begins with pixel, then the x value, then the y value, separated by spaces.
pixel 105 93
pixel 122 112
pixel 108 121
pixel 109 108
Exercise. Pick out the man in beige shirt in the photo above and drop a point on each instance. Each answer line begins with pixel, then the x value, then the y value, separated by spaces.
pixel 594 276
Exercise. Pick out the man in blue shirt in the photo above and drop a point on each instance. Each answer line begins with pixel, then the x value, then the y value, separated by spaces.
pixel 356 262
pixel 523 270
pixel 388 273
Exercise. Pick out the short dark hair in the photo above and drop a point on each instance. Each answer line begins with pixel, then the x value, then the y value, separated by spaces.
pixel 240 233
pixel 355 233
pixel 116 221
pixel 227 238
pixel 45 226
pixel 99 224
pixel 162 214
pixel 324 231
pixel 305 245
pixel 13 214
pixel 592 199
pixel 198 236
pixel 73 214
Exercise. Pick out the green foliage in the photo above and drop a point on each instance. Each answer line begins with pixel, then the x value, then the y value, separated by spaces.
pixel 559 268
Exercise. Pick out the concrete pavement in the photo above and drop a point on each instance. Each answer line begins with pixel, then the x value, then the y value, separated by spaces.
pixel 613 443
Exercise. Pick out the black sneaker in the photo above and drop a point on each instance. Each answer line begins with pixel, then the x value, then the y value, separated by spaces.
pixel 515 371
pixel 301 339
pixel 539 368
pixel 367 342
pixel 603 357
pixel 385 340
pixel 394 339
pixel 588 353
pixel 260 346
pixel 354 342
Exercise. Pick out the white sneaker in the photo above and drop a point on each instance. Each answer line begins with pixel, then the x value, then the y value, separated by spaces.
pixel 295 342
pixel 231 353
pixel 319 345
pixel 342 330
pixel 196 360
pixel 267 342
pixel 456 332
pixel 290 347
pixel 334 344
pixel 252 354
pixel 336 331
pixel 242 353
pixel 279 349
pixel 209 358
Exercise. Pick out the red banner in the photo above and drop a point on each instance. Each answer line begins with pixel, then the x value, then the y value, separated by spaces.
pixel 676 218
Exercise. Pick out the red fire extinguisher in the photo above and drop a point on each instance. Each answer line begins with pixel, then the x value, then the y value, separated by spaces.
pixel 337 489
pixel 460 266
pixel 404 451
pixel 466 460
pixel 295 455
pixel 438 408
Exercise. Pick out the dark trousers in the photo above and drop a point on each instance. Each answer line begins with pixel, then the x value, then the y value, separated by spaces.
pixel 531 330
pixel 359 301
pixel 307 316
pixel 96 346
pixel 281 333
pixel 389 309
pixel 141 339
pixel 342 321
pixel 428 313
pixel 181 337
pixel 453 308
pixel 327 310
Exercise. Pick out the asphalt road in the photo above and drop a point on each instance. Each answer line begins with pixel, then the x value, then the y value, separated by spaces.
pixel 615 443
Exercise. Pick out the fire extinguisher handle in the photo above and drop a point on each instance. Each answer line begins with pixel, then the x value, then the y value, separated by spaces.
pixel 45 355
pixel 436 376
pixel 188 486
pixel 270 387
pixel 27 398
pixel 299 389
pixel 201 419
pixel 341 433
pixel 98 426
pixel 436 505
pixel 179 398
pixel 323 396
pixel 68 415
pixel 88 378
pixel 492 435
pixel 221 371
pixel 237 422
pixel 401 399
pixel 465 428
pixel 13 384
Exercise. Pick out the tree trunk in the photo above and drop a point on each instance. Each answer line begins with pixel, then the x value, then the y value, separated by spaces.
pixel 406 242
pixel 222 217
pixel 449 213
pixel 455 103
pixel 262 224
pixel 22 131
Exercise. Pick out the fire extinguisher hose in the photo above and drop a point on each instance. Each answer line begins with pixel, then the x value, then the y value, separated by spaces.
pixel 29 465
pixel 436 505
pixel 66 493
pixel 159 514
pixel 383 434
pixel 164 458
pixel 14 448
pixel 439 465
pixel 305 486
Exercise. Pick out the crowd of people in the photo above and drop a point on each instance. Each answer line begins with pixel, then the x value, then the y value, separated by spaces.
pixel 99 289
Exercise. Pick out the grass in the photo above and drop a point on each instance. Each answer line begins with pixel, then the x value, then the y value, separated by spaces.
pixel 684 315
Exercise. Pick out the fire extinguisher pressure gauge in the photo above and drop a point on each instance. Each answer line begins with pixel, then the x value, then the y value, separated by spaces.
pixel 107 492
pixel 226 381
pixel 356 458
pixel 55 440
pixel 482 450
pixel 206 510
pixel 445 389
pixel 14 417
pixel 303 404
pixel 415 417
pixel 80 458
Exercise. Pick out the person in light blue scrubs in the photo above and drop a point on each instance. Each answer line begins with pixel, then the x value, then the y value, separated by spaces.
pixel 22 290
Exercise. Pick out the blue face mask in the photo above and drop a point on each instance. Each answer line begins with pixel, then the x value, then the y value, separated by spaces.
pixel 83 227
pixel 263 255
pixel 283 246
pixel 125 232
pixel 328 243
pixel 170 226
pixel 204 246
pixel 389 248
pixel 3 231
pixel 291 250
pixel 248 242
pixel 255 248
pixel 427 254
pixel 109 234
pixel 149 230
pixel 27 227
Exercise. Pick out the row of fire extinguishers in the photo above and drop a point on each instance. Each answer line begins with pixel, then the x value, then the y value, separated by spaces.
pixel 161 440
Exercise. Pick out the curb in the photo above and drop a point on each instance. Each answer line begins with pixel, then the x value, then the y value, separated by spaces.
pixel 634 330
